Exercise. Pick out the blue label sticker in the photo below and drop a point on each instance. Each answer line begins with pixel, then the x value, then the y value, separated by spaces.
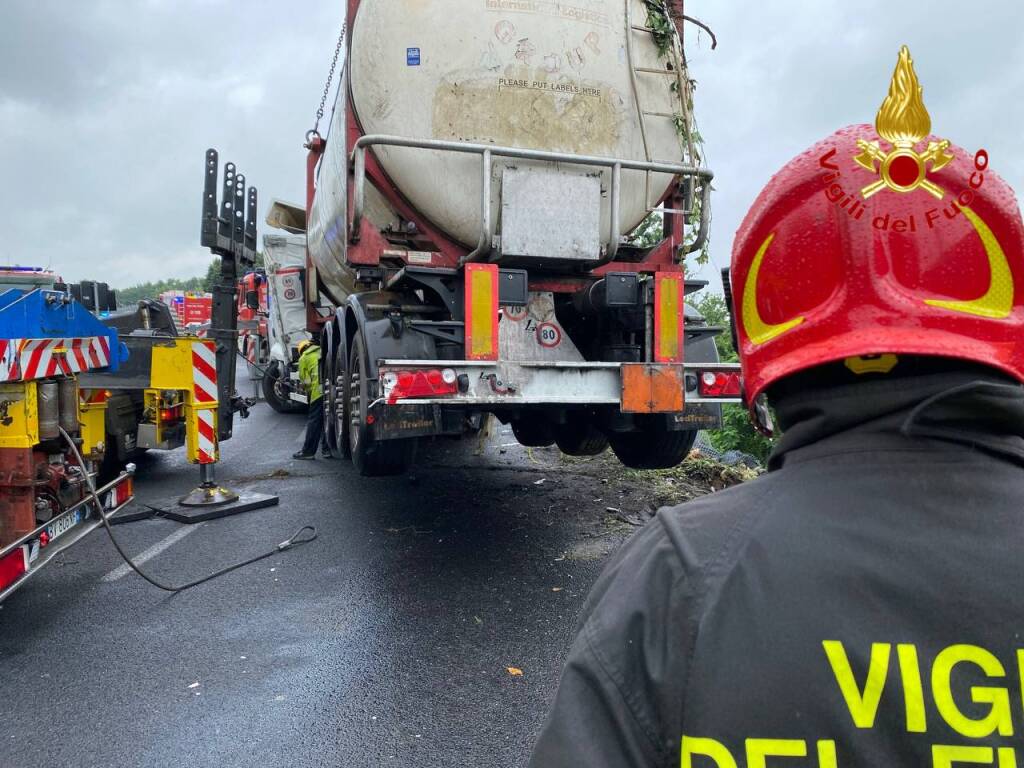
pixel 412 57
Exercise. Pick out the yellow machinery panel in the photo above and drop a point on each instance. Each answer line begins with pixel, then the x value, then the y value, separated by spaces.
pixel 173 368
pixel 172 364
pixel 19 415
pixel 92 416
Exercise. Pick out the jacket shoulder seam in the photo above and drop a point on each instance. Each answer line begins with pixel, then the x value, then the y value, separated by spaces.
pixel 705 597
pixel 622 690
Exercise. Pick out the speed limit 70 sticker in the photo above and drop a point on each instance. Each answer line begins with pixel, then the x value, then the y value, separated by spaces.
pixel 549 335
pixel 516 313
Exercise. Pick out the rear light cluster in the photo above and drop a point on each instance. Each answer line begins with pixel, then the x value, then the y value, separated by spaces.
pixel 719 384
pixel 123 492
pixel 13 566
pixel 406 385
pixel 169 415
pixel 171 408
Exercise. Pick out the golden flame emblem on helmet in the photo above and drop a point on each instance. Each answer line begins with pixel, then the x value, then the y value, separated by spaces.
pixel 903 121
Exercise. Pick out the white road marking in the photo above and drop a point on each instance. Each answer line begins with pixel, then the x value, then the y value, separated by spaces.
pixel 124 569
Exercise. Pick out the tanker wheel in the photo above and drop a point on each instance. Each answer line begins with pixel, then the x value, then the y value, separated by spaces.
pixel 533 433
pixel 336 415
pixel 274 394
pixel 579 437
pixel 373 458
pixel 652 450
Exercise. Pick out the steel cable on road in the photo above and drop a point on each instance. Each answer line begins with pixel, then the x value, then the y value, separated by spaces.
pixel 285 545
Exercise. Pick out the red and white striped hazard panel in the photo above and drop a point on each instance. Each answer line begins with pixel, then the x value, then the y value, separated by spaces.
pixel 206 430
pixel 204 387
pixel 204 371
pixel 27 359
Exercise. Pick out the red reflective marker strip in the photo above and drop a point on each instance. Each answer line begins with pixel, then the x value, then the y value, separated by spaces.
pixel 13 566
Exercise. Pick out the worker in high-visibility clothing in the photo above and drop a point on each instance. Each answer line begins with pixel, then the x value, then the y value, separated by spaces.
pixel 860 604
pixel 309 375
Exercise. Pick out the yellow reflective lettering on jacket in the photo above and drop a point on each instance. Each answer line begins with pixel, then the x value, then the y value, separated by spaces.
pixel 863 705
pixel 998 717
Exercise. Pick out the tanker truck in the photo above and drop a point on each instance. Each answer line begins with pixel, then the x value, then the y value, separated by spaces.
pixel 465 222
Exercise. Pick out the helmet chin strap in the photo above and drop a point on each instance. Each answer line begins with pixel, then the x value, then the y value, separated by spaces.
pixel 761 415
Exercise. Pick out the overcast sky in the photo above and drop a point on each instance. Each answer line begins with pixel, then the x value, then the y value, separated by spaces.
pixel 107 107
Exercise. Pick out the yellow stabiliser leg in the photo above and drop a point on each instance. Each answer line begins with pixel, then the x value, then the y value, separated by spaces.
pixel 203 449
pixel 189 366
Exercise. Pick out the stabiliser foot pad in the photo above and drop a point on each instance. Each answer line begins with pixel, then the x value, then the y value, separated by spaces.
pixel 170 509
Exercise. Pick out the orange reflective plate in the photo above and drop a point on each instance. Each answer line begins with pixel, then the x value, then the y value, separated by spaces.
pixel 652 388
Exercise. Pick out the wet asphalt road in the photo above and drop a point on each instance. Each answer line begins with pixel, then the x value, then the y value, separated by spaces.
pixel 385 642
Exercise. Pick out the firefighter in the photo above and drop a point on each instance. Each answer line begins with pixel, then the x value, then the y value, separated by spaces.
pixel 861 602
pixel 309 375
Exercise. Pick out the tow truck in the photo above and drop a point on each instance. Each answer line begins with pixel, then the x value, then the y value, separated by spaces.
pixel 52 433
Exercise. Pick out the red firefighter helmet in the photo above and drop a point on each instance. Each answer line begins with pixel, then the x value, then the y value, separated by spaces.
pixel 880 242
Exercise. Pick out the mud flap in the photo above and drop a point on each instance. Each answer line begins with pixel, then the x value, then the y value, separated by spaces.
pixel 395 422
pixel 698 416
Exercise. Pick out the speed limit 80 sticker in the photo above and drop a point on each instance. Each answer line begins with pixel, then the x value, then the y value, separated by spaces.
pixel 549 335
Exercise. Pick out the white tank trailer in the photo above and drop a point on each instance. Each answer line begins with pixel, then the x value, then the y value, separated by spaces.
pixel 468 214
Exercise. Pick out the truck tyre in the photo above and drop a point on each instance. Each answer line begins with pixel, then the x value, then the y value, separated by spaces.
pixel 579 437
pixel 372 458
pixel 652 450
pixel 332 421
pixel 533 433
pixel 274 395
pixel 338 411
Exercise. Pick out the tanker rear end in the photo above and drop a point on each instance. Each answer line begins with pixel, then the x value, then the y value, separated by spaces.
pixel 466 214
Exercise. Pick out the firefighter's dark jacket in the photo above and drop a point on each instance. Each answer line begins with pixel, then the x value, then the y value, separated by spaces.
pixel 861 604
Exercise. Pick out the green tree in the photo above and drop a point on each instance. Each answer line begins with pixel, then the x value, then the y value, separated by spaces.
pixel 212 273
pixel 713 308
pixel 737 432
pixel 127 297
pixel 650 232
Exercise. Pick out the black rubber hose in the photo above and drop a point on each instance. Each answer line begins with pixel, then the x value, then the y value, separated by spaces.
pixel 287 544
